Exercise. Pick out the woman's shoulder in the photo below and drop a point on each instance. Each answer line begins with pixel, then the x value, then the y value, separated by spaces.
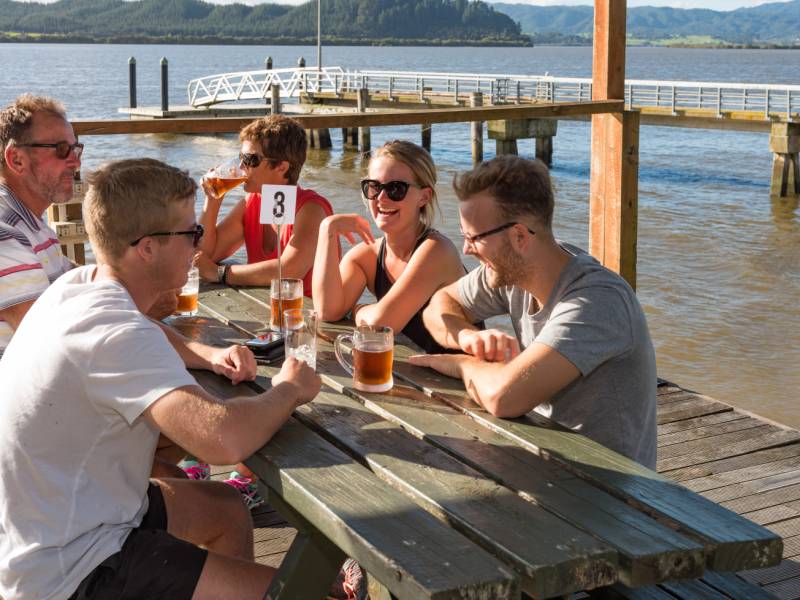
pixel 438 244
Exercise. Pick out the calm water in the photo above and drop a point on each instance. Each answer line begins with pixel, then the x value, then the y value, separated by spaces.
pixel 719 262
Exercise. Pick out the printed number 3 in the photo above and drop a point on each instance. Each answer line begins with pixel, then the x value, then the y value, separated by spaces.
pixel 279 208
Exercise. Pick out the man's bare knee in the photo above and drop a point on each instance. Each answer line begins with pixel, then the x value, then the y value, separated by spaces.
pixel 224 577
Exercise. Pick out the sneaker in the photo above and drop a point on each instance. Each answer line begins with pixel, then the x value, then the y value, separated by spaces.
pixel 195 469
pixel 247 488
pixel 350 584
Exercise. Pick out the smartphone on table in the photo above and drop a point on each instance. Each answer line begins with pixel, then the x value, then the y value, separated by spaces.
pixel 268 348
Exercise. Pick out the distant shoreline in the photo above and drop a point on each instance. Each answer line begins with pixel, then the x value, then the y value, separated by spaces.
pixel 226 41
pixel 6 38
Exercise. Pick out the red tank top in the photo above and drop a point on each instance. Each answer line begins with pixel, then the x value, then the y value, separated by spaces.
pixel 254 234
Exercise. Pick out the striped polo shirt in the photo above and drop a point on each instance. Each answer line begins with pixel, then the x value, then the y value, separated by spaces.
pixel 30 257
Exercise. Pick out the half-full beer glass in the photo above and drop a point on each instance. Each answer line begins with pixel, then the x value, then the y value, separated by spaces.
pixel 223 178
pixel 188 296
pixel 284 293
pixel 373 353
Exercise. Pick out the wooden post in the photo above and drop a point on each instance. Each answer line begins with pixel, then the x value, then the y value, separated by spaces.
pixel 426 136
pixel 319 138
pixel 66 219
pixel 132 82
pixel 613 194
pixel 476 127
pixel 364 140
pixel 164 84
pixel 544 150
pixel 784 141
pixel 275 99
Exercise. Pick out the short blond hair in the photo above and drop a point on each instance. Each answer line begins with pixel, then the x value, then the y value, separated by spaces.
pixel 16 119
pixel 128 199
pixel 422 166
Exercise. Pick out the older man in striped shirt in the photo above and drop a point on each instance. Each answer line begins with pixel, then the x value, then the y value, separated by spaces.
pixel 39 159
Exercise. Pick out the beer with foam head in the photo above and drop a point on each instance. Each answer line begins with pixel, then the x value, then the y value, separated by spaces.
pixel 373 353
pixel 284 294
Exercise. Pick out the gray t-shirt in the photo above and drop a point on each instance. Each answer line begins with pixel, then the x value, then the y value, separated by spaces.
pixel 594 320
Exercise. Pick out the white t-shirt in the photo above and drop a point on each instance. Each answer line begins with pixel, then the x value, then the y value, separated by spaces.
pixel 75 453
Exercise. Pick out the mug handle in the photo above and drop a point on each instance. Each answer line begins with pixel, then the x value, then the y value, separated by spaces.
pixel 339 355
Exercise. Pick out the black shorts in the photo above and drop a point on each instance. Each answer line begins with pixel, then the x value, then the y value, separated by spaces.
pixel 151 564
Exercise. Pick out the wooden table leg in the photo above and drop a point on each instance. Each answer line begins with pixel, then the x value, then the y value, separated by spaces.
pixel 311 564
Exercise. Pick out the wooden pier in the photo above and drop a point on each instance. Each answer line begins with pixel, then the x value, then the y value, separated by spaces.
pixel 746 463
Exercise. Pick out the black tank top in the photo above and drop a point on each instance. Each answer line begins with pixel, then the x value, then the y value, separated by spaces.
pixel 415 329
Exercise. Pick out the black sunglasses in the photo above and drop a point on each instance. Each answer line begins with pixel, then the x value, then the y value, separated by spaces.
pixel 395 190
pixel 251 161
pixel 197 232
pixel 63 149
pixel 471 239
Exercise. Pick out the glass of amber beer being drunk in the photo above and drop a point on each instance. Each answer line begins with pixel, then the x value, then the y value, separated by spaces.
pixel 223 178
pixel 284 294
pixel 373 353
pixel 187 297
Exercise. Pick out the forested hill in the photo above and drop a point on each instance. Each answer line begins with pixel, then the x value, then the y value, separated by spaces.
pixel 343 21
pixel 775 22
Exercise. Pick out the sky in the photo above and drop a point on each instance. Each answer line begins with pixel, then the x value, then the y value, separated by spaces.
pixel 712 4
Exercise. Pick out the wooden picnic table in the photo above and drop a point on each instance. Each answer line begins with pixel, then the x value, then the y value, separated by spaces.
pixel 436 498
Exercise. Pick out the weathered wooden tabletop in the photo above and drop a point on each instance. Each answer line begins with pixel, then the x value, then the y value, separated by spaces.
pixel 436 498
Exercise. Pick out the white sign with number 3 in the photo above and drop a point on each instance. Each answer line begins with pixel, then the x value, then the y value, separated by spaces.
pixel 277 204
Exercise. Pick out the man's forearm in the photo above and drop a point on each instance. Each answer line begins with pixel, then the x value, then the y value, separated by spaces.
pixel 445 319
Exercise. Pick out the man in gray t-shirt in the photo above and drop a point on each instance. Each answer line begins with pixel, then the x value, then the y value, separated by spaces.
pixel 587 360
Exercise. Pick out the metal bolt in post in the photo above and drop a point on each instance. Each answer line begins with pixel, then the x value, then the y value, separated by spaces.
pixel 164 84
pixel 132 82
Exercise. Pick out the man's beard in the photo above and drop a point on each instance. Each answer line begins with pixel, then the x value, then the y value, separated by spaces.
pixel 509 267
pixel 52 191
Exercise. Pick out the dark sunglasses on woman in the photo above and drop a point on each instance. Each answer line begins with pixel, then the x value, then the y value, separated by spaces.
pixel 395 190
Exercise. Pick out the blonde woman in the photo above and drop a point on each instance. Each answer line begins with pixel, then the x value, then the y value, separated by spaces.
pixel 403 268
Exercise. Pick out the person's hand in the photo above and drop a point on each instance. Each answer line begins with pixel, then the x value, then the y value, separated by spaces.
pixel 302 377
pixel 237 363
pixel 491 345
pixel 206 267
pixel 446 364
pixel 165 305
pixel 347 225
pixel 211 195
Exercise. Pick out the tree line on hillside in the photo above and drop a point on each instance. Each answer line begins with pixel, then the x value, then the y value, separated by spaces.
pixel 776 22
pixel 467 20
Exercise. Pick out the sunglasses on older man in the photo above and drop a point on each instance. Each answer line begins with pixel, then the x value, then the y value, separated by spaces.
pixel 197 232
pixel 395 190
pixel 63 149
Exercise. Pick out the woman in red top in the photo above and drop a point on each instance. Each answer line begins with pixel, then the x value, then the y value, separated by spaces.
pixel 273 152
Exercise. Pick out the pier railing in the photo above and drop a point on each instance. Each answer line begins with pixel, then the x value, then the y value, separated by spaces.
pixel 670 97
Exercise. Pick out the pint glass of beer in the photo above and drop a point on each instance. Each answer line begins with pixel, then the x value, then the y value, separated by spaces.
pixel 284 294
pixel 187 297
pixel 373 352
pixel 223 178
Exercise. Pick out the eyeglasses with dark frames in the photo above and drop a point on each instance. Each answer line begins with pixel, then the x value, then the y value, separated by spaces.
pixel 197 232
pixel 252 160
pixel 63 149
pixel 395 190
pixel 471 239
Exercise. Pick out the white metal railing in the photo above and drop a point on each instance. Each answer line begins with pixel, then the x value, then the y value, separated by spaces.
pixel 671 96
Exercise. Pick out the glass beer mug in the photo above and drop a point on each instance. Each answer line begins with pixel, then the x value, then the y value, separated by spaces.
pixel 373 353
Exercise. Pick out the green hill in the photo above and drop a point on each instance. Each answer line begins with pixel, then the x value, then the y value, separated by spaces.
pixel 773 23
pixel 344 21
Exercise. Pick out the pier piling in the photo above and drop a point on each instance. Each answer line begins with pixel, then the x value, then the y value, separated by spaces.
pixel 364 139
pixel 132 82
pixel 784 141
pixel 476 130
pixel 275 99
pixel 426 136
pixel 164 84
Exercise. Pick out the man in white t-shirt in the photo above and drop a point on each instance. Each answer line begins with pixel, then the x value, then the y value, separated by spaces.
pixel 90 382
pixel 587 360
